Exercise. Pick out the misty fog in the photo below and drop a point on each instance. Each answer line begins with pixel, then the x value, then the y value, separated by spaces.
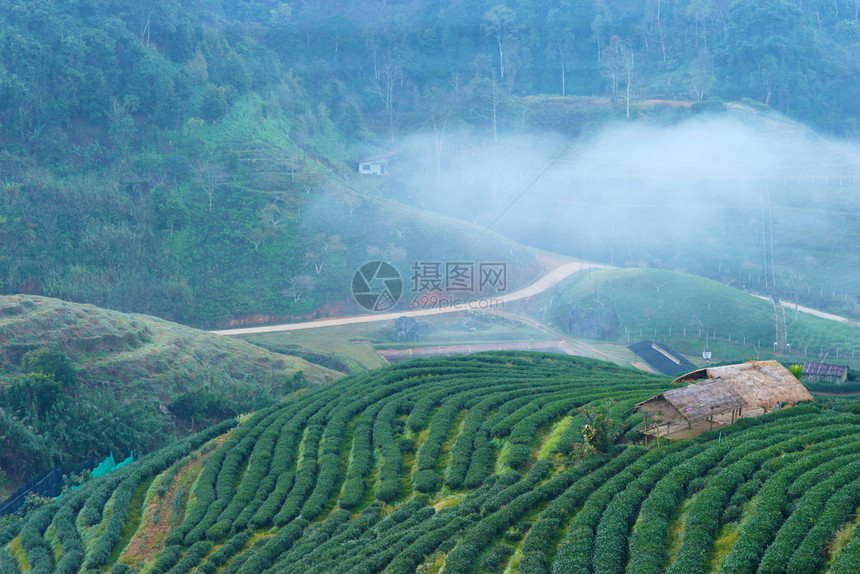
pixel 752 201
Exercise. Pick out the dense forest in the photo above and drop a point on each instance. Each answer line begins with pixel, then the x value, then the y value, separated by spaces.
pixel 192 160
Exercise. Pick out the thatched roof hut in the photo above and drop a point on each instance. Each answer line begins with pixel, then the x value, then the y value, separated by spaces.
pixel 762 384
pixel 756 386
pixel 693 403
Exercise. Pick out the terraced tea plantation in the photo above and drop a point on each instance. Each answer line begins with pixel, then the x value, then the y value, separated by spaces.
pixel 465 465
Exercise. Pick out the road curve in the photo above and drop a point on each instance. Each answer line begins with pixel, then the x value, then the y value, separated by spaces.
pixel 550 279
pixel 810 311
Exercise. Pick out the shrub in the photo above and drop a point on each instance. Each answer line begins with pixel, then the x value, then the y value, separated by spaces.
pixel 51 362
pixel 518 455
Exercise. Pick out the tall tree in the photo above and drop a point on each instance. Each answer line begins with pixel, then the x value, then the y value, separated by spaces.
pixel 601 24
pixel 767 50
pixel 211 176
pixel 618 62
pixel 561 37
pixel 440 106
pixel 498 23
pixel 386 85
pixel 702 73
pixel 487 99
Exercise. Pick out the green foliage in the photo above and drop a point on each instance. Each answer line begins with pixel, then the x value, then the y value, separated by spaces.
pixel 292 488
pixel 50 362
pixel 834 388
pixel 495 557
pixel 157 160
pixel 32 504
pixel 518 455
pixel 32 393
pixel 133 366
pixel 199 406
pixel 599 431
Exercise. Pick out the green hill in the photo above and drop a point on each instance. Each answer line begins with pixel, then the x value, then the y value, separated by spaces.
pixel 140 380
pixel 628 305
pixel 197 161
pixel 462 465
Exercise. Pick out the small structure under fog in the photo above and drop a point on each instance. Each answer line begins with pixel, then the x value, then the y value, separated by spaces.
pixel 719 397
pixel 377 164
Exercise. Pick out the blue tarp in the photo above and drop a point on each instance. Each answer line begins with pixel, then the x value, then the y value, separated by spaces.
pixel 105 467
pixel 51 483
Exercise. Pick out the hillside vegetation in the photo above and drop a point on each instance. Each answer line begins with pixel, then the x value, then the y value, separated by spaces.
pixel 195 161
pixel 629 305
pixel 464 465
pixel 138 382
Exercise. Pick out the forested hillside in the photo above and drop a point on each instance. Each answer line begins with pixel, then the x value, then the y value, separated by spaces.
pixel 194 160
pixel 77 382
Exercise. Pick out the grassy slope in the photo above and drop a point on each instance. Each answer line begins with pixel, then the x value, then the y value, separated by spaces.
pixel 131 369
pixel 650 302
pixel 137 354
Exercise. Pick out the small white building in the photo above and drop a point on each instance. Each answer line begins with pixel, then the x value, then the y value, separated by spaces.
pixel 376 165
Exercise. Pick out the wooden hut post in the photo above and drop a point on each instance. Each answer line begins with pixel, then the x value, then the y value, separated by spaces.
pixel 645 428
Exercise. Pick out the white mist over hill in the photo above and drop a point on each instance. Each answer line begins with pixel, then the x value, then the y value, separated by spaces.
pixel 747 199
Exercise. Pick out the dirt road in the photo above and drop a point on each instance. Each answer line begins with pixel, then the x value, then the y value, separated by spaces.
pixel 550 279
pixel 809 311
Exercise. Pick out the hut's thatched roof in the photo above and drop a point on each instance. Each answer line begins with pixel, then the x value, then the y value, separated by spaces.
pixel 699 401
pixel 761 383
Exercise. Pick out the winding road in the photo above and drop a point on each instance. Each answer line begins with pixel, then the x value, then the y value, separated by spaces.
pixel 550 279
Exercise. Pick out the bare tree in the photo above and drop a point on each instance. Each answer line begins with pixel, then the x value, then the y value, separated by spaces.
pixel 600 24
pixel 256 237
pixel 211 176
pixel 498 22
pixel 660 33
pixel 147 9
pixel 315 258
pixel 767 76
pixel 618 64
pixel 299 287
pixel 702 73
pixel 487 99
pixel 561 48
pixel 629 67
pixel 440 106
pixel 352 201
pixel 385 86
pixel 272 215
pixel 611 60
